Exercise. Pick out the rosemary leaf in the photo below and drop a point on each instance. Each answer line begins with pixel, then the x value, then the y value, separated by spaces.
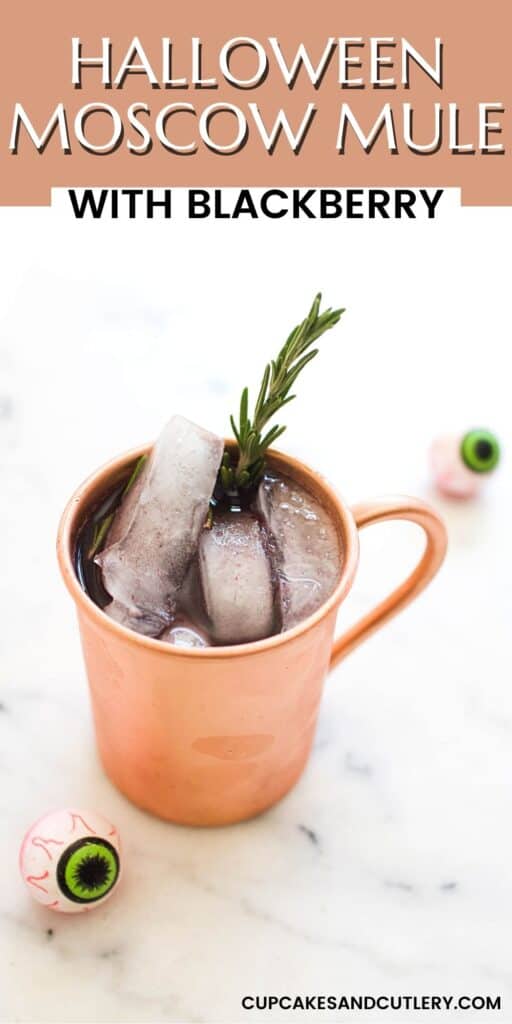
pixel 278 378
pixel 100 532
pixel 134 474
pixel 103 526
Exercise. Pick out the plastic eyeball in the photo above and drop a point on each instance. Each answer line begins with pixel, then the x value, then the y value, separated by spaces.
pixel 70 860
pixel 480 451
pixel 459 464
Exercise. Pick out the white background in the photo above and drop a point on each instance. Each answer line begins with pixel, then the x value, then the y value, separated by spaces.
pixel 106 329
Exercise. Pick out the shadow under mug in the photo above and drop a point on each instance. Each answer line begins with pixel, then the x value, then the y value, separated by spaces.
pixel 212 736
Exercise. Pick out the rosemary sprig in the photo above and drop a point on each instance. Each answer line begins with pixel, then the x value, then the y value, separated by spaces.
pixel 100 532
pixel 274 393
pixel 102 527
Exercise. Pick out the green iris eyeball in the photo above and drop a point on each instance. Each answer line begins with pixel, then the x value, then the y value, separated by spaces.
pixel 88 870
pixel 480 450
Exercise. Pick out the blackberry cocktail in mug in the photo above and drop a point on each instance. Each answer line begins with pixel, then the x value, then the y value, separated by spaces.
pixel 207 576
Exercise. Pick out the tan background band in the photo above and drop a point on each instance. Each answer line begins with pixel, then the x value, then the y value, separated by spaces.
pixel 36 71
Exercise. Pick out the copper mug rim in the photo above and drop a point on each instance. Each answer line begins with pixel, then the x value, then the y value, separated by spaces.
pixel 97 482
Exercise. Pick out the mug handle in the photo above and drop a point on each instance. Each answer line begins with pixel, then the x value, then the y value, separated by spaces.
pixel 380 510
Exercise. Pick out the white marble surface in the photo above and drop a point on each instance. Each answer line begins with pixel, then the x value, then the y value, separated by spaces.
pixel 387 869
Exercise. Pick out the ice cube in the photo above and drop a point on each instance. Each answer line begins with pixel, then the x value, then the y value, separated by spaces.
pixel 156 530
pixel 305 547
pixel 236 579
pixel 184 635
pixel 140 620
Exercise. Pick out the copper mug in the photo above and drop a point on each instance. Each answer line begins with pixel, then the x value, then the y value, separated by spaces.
pixel 212 736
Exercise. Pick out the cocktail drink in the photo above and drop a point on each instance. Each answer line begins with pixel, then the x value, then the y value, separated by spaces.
pixel 200 548
pixel 207 576
pixel 184 562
